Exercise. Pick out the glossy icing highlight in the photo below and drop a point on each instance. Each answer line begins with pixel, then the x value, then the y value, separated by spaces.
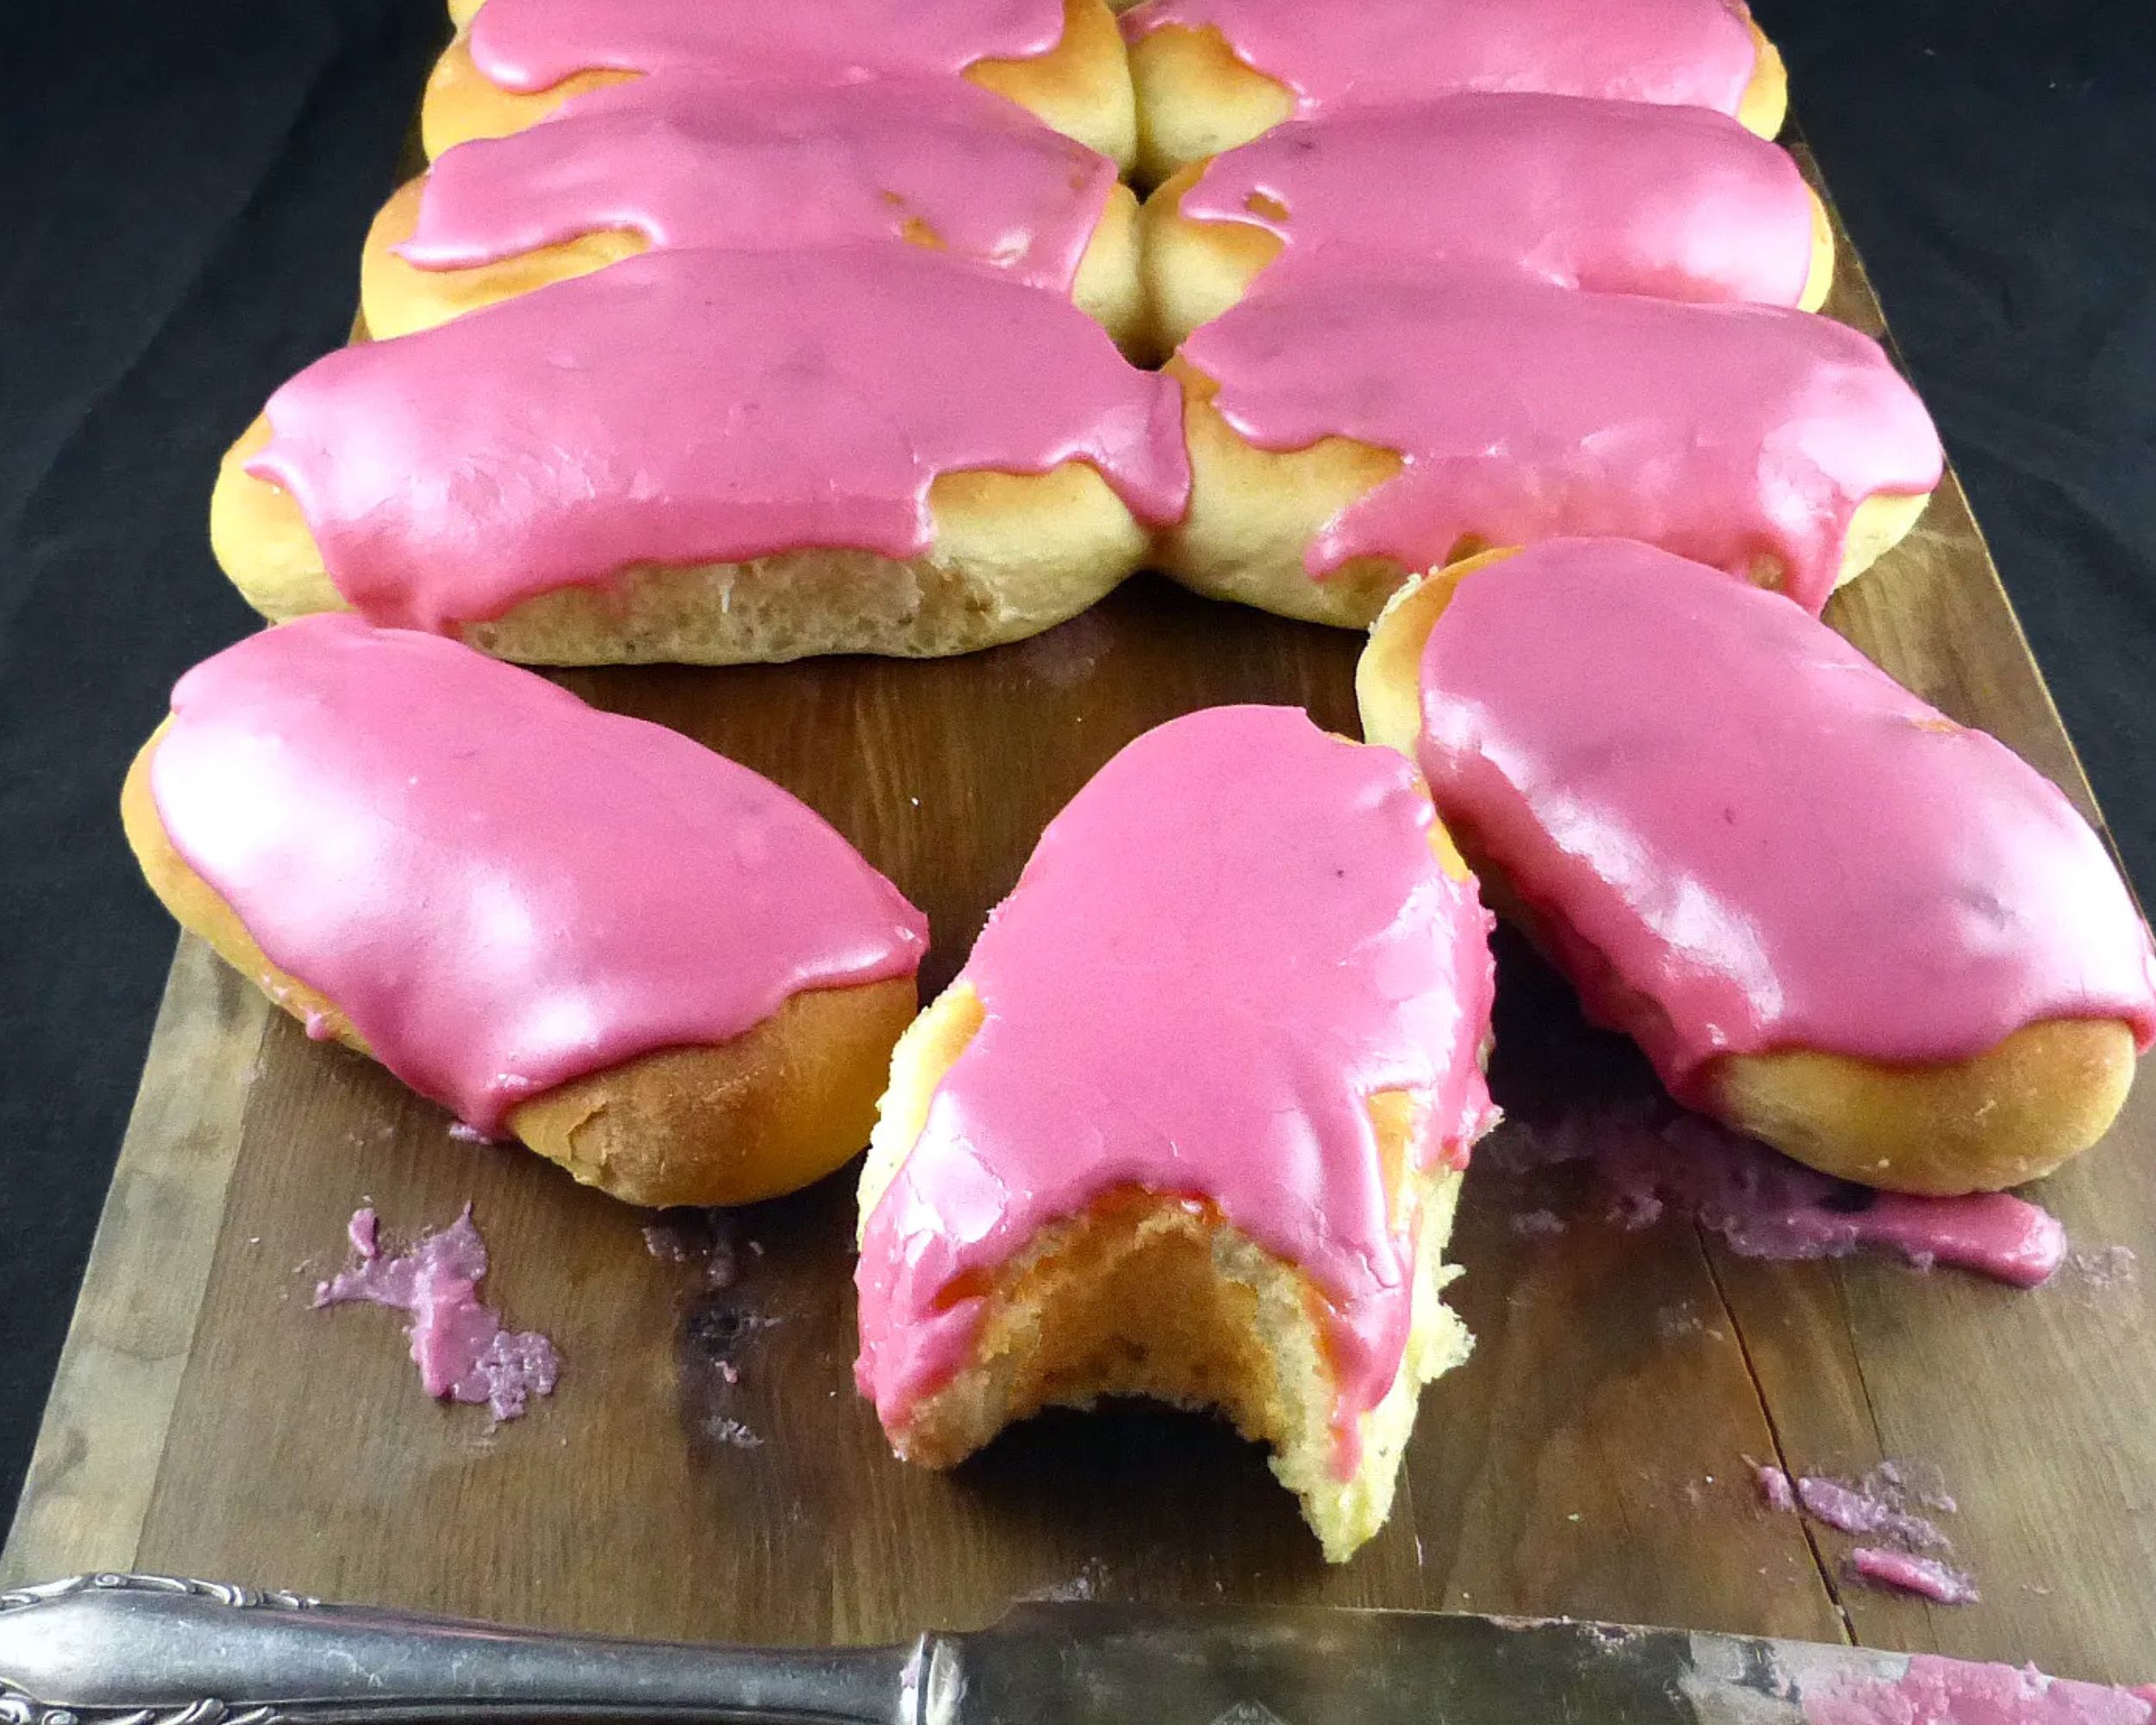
pixel 532 45
pixel 1745 836
pixel 1228 942
pixel 1614 197
pixel 502 888
pixel 696 158
pixel 690 407
pixel 1697 53
pixel 1525 412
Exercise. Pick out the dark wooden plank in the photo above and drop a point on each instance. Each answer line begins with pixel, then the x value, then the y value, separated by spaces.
pixel 109 1413
pixel 1591 1457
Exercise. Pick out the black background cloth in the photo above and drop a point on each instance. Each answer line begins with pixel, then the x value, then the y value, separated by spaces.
pixel 184 186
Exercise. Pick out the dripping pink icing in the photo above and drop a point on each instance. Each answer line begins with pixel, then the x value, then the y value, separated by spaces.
pixel 689 159
pixel 698 406
pixel 1749 838
pixel 1696 54
pixel 1617 197
pixel 503 889
pixel 532 45
pixel 1527 411
pixel 1228 941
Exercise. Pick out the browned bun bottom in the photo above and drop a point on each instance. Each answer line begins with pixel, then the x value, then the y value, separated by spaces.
pixel 2014 1113
pixel 1081 87
pixel 1013 554
pixel 1254 512
pixel 396 298
pixel 1196 97
pixel 769 1111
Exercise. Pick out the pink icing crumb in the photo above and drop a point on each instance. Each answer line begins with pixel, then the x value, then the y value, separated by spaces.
pixel 1764 1205
pixel 1775 1491
pixel 1856 1509
pixel 459 1344
pixel 1926 1577
pixel 1937 1692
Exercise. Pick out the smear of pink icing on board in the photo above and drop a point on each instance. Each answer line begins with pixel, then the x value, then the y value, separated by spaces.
pixel 688 159
pixel 1232 938
pixel 1527 411
pixel 1764 1205
pixel 1614 197
pixel 1905 1572
pixel 463 1351
pixel 694 407
pixel 1697 53
pixel 531 45
pixel 1745 836
pixel 1937 1692
pixel 503 889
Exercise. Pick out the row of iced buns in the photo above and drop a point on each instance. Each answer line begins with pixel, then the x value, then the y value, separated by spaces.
pixel 1192 1120
pixel 737 422
pixel 1198 76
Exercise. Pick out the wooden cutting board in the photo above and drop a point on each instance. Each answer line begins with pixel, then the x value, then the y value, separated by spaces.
pixel 1591 1458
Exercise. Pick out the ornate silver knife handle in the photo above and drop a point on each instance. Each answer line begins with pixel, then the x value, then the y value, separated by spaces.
pixel 158 1650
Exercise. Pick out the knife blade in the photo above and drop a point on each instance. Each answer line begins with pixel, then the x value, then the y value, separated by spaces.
pixel 155 1650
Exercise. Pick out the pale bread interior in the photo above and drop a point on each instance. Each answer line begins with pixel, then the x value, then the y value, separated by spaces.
pixel 1149 1295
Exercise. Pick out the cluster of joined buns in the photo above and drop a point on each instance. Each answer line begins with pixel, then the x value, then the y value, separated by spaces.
pixel 718 334
pixel 650 382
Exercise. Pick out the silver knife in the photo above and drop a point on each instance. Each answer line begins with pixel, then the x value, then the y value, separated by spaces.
pixel 160 1650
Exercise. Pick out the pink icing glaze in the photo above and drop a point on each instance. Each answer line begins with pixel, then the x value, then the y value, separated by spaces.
pixel 1616 196
pixel 690 159
pixel 1230 938
pixel 1697 53
pixel 503 889
pixel 1526 412
pixel 1745 837
pixel 1775 1491
pixel 530 45
pixel 1764 1205
pixel 458 1343
pixel 1866 1508
pixel 1936 1691
pixel 1928 1578
pixel 693 407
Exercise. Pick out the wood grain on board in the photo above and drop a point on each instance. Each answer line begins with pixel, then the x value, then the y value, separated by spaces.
pixel 705 1469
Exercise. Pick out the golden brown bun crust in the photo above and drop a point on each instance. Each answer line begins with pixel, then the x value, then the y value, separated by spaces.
pixel 1148 1295
pixel 1195 99
pixel 773 1109
pixel 396 298
pixel 1081 87
pixel 2012 1113
pixel 1253 511
pixel 1014 553
pixel 1193 270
